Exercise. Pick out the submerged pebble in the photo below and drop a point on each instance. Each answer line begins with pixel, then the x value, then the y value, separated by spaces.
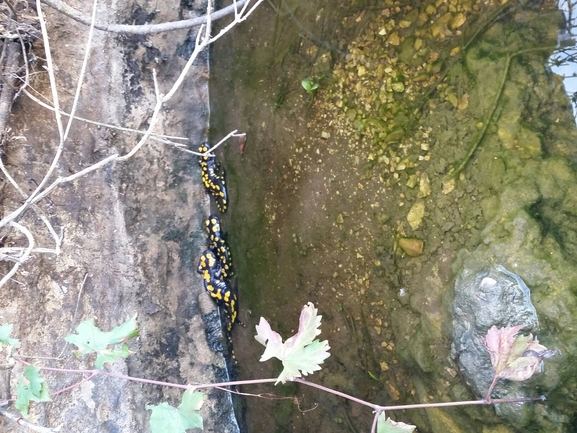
pixel 412 247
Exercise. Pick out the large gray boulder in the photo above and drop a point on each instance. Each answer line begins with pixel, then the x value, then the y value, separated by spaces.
pixel 490 297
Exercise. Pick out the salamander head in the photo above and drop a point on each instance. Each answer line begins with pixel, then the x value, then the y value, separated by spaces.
pixel 203 147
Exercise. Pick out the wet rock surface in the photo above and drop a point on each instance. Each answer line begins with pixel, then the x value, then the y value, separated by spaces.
pixel 490 297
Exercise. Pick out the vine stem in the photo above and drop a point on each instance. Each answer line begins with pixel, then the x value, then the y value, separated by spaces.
pixel 196 386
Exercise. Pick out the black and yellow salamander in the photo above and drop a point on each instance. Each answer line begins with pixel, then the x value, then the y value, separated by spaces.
pixel 219 246
pixel 218 288
pixel 213 178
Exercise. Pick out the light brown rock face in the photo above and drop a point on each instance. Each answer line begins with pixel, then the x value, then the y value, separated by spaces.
pixel 133 228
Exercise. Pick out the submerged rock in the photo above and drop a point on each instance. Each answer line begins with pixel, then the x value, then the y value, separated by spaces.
pixel 492 296
pixel 412 247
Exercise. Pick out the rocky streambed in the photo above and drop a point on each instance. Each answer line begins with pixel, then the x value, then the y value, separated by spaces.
pixel 437 145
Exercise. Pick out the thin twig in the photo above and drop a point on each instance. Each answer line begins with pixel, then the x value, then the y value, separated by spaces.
pixel 7 252
pixel 50 67
pixel 74 176
pixel 24 255
pixel 463 403
pixel 74 385
pixel 375 419
pixel 201 44
pixel 16 281
pixel 454 172
pixel 493 383
pixel 43 218
pixel 166 139
pixel 62 134
pixel 42 190
pixel 26 67
pixel 160 137
pixel 82 71
pixel 240 17
pixel 61 180
pixel 264 395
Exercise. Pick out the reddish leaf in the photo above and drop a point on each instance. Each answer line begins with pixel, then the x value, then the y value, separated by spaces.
pixel 514 358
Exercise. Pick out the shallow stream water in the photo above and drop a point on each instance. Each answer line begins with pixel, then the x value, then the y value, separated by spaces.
pixel 358 195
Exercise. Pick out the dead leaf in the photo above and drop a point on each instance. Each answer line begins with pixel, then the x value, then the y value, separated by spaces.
pixel 514 358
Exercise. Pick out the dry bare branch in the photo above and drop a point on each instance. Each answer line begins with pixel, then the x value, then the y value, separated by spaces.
pixel 242 9
pixel 10 69
pixel 201 43
pixel 145 29
pixel 159 137
pixel 23 257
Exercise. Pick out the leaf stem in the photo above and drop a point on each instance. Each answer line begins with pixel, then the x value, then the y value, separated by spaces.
pixel 375 420
pixel 488 396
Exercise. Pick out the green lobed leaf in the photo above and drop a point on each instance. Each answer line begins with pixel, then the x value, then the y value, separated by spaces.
pixel 5 331
pixel 110 355
pixel 306 360
pixel 190 406
pixel 168 419
pixel 90 338
pixel 31 387
pixel 520 345
pixel 387 425
pixel 301 353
